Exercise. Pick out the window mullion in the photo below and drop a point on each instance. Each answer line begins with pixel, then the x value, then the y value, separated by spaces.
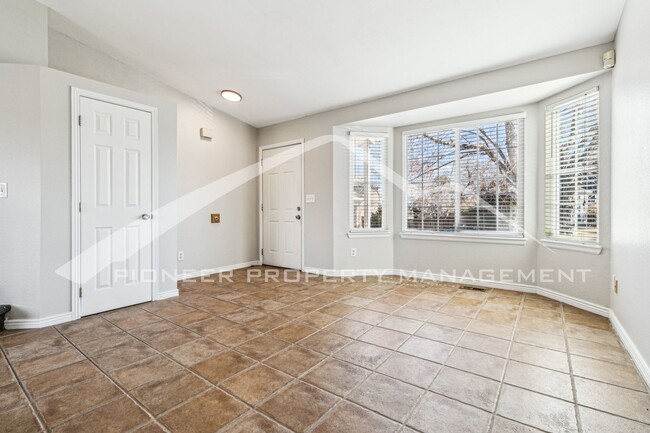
pixel 422 182
pixel 498 186
pixel 457 178
pixel 367 181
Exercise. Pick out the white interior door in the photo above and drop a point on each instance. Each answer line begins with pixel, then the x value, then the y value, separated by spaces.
pixel 281 207
pixel 116 205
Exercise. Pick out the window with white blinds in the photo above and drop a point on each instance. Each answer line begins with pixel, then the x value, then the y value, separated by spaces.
pixel 367 181
pixel 465 179
pixel 571 175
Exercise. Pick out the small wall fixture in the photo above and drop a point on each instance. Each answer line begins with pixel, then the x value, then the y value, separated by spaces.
pixel 609 59
pixel 231 96
pixel 206 133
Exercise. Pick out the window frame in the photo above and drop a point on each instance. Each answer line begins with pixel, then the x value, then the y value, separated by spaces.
pixel 384 230
pixel 569 243
pixel 480 236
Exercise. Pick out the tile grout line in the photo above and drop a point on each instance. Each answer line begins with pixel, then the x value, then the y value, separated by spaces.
pixel 373 371
pixel 30 401
pixel 295 319
pixel 291 344
pixel 328 357
pixel 404 424
pixel 119 386
pixel 574 389
pixel 522 301
pixel 218 386
pixel 340 296
pixel 211 386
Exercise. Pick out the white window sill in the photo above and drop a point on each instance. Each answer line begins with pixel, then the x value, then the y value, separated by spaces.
pixel 458 237
pixel 369 234
pixel 572 246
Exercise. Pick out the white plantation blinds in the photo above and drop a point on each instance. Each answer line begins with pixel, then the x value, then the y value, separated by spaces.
pixel 367 180
pixel 466 179
pixel 571 176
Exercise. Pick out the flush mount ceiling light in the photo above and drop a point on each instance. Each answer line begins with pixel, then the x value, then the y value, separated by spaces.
pixel 231 96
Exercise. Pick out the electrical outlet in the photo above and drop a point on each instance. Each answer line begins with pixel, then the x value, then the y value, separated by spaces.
pixel 615 283
pixel 353 252
pixel 181 256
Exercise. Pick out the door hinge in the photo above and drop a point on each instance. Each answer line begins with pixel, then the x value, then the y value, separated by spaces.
pixel 79 120
pixel 79 207
pixel 262 207
pixel 262 251
pixel 81 292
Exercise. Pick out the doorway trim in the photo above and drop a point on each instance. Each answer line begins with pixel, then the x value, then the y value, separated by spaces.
pixel 75 102
pixel 260 183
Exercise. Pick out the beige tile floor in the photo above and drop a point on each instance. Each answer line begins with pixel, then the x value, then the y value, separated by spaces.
pixel 325 356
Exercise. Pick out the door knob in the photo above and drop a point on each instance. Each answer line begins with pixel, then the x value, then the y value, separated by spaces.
pixel 297 217
pixel 146 216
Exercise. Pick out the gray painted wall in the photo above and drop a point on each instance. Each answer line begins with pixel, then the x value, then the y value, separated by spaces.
pixel 630 180
pixel 20 212
pixel 36 164
pixel 326 173
pixel 596 286
pixel 199 162
pixel 55 179
pixel 23 32
pixel 35 143
pixel 36 138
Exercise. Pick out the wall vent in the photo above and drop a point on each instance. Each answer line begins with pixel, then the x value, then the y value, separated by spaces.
pixel 480 289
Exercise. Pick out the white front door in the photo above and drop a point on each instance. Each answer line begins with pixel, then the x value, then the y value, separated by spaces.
pixel 115 205
pixel 281 206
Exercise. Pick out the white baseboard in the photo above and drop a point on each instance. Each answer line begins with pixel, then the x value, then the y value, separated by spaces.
pixel 350 272
pixel 637 358
pixel 526 288
pixel 38 323
pixel 445 278
pixel 574 302
pixel 205 272
pixel 640 363
pixel 168 294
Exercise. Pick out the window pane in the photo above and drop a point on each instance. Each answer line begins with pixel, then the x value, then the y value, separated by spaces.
pixel 367 165
pixel 486 178
pixel 571 183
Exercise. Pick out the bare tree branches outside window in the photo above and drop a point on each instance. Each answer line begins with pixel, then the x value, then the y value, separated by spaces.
pixel 465 179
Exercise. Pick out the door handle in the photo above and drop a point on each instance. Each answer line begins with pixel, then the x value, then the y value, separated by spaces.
pixel 146 216
pixel 297 217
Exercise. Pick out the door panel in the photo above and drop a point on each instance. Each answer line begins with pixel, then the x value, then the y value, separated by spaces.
pixel 282 201
pixel 115 193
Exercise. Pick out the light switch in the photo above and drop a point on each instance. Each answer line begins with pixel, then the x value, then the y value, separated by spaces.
pixel 310 198
pixel 3 190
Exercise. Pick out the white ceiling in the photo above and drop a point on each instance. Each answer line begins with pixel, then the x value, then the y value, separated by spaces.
pixel 291 58
pixel 516 97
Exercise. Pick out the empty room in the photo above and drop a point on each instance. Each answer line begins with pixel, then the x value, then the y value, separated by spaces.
pixel 341 216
